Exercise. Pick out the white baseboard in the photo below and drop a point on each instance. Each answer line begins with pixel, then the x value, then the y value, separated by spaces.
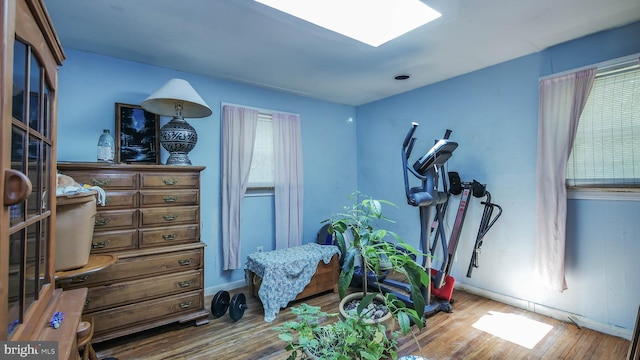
pixel 210 291
pixel 561 315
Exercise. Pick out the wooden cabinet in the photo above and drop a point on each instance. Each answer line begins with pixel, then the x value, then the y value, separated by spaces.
pixel 31 53
pixel 151 220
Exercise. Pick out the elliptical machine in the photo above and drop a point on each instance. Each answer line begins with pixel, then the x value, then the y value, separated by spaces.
pixel 426 197
pixel 429 169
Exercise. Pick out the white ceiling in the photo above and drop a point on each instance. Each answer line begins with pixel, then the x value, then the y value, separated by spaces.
pixel 245 41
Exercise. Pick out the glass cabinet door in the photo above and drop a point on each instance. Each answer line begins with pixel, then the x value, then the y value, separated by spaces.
pixel 31 150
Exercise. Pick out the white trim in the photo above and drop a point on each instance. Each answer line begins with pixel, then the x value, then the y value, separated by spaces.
pixel 617 194
pixel 557 314
pixel 226 287
pixel 260 110
pixel 600 65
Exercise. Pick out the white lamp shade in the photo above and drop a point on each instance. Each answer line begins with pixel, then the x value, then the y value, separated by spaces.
pixel 163 101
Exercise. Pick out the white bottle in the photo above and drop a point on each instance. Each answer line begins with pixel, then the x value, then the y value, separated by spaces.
pixel 106 147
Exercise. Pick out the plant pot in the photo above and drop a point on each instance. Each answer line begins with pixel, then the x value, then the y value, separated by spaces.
pixel 385 320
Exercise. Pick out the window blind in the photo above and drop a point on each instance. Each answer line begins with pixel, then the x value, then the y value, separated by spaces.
pixel 606 149
pixel 261 174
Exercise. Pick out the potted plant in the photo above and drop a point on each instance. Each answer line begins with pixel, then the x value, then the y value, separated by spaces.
pixel 316 334
pixel 359 334
pixel 364 244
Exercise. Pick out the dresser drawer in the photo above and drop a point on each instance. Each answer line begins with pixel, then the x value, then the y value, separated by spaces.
pixel 168 198
pixel 169 235
pixel 142 267
pixel 109 241
pixel 121 199
pixel 105 179
pixel 116 219
pixel 169 216
pixel 123 293
pixel 147 311
pixel 169 181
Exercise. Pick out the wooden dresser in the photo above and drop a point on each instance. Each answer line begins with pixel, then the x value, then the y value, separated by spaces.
pixel 151 221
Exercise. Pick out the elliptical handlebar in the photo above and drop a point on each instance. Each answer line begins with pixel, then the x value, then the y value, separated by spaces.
pixel 407 139
pixel 426 169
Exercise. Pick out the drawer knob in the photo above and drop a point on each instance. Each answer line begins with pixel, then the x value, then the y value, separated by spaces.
pixel 100 244
pixel 185 262
pixel 100 182
pixel 185 284
pixel 170 217
pixel 169 237
pixel 107 201
pixel 171 181
pixel 170 199
pixel 186 304
pixel 102 221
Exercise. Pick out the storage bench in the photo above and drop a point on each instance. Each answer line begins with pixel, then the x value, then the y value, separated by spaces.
pixel 281 276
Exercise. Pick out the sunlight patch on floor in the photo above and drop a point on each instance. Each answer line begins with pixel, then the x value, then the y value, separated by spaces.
pixel 514 328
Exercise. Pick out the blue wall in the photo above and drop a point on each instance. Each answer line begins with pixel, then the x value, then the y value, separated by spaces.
pixel 493 114
pixel 90 85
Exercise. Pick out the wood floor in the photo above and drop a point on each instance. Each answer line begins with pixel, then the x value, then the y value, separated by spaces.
pixel 446 336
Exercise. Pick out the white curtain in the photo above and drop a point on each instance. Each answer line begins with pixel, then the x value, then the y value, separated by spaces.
pixel 562 100
pixel 287 151
pixel 238 135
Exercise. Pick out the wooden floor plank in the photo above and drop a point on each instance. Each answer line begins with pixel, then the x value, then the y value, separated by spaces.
pixel 446 336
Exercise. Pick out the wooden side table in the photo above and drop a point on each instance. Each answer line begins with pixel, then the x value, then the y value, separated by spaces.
pixel 96 262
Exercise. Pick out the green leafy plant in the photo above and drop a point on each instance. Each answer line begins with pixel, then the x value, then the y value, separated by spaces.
pixel 357 233
pixel 317 334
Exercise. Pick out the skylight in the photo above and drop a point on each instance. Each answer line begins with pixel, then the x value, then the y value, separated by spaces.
pixel 373 22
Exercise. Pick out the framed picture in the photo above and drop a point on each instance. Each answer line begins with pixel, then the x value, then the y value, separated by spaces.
pixel 136 135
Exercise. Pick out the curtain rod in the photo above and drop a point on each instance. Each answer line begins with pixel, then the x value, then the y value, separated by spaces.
pixel 604 65
pixel 260 110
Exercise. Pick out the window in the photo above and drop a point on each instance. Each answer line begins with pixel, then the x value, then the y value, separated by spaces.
pixel 606 150
pixel 261 175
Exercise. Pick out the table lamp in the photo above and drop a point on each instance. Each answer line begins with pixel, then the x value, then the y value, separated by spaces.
pixel 179 99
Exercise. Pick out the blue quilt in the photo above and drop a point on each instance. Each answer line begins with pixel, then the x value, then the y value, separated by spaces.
pixel 285 273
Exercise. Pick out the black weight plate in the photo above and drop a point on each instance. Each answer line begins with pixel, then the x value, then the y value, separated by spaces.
pixel 220 303
pixel 237 307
